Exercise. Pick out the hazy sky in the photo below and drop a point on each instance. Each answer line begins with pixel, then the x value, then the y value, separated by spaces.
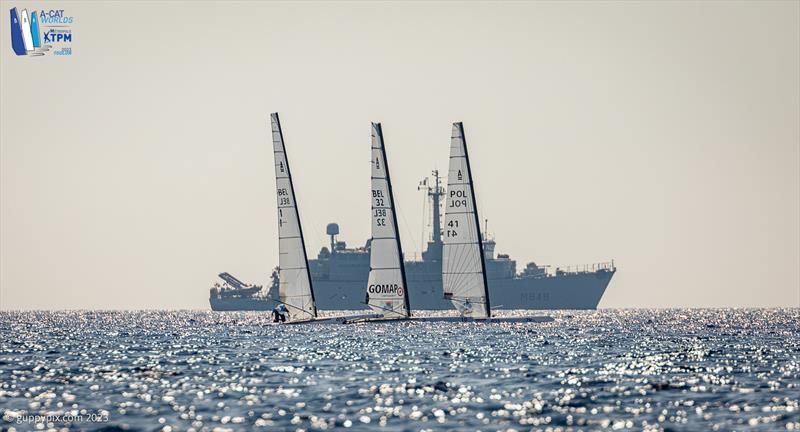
pixel 665 136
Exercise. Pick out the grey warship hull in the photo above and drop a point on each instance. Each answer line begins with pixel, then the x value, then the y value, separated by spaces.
pixel 572 291
pixel 569 291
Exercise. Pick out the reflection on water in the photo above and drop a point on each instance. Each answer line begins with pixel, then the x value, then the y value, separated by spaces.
pixel 615 369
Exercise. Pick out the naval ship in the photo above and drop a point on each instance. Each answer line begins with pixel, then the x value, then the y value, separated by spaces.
pixel 339 275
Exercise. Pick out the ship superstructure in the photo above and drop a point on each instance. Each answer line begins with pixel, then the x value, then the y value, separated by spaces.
pixel 234 293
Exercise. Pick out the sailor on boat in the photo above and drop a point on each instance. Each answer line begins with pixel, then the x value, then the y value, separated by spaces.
pixel 280 313
pixel 296 288
pixel 466 308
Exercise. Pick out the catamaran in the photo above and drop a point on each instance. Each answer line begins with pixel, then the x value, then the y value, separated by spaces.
pixel 387 291
pixel 296 290
pixel 463 262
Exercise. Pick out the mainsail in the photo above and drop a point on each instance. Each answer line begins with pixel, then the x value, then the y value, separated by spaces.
pixel 463 266
pixel 387 291
pixel 295 288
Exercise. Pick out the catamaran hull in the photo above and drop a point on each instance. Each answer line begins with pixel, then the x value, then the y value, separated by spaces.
pixel 318 321
pixel 570 291
pixel 519 319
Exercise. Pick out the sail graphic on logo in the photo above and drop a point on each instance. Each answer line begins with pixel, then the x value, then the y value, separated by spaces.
pixel 26 31
pixel 463 266
pixel 17 43
pixel 295 287
pixel 387 292
pixel 35 33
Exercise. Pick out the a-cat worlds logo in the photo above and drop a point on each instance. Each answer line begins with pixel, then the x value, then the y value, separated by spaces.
pixel 41 32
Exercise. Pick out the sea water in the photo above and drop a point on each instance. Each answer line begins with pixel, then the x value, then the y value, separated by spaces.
pixel 721 369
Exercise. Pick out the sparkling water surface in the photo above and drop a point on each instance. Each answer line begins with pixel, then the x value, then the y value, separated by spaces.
pixel 717 369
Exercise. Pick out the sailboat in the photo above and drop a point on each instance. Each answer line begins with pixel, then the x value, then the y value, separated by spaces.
pixel 463 261
pixel 387 290
pixel 296 290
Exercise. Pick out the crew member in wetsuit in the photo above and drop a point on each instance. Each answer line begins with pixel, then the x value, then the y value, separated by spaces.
pixel 280 313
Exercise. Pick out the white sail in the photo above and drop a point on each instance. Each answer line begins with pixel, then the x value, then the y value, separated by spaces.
pixel 463 268
pixel 27 37
pixel 295 288
pixel 387 292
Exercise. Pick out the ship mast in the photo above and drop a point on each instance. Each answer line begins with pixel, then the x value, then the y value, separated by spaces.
pixel 435 193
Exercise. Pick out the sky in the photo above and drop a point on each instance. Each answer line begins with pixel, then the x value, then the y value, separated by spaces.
pixel 662 135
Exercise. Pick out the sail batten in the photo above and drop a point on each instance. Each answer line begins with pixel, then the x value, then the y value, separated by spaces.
pixel 387 291
pixel 295 288
pixel 463 267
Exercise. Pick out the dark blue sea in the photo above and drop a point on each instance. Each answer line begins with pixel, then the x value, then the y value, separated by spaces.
pixel 699 370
